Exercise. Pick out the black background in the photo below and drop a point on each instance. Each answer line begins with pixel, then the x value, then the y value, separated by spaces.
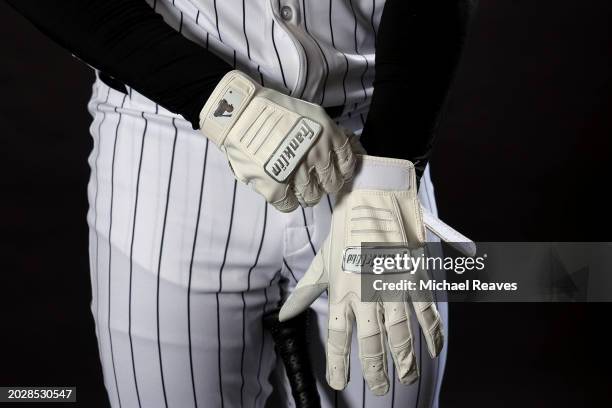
pixel 522 155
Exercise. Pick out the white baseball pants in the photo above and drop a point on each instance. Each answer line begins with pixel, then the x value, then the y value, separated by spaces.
pixel 184 263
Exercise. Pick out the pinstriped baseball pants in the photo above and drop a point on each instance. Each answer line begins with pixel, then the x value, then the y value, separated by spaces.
pixel 184 263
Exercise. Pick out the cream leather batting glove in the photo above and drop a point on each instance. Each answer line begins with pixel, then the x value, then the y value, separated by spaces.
pixel 379 205
pixel 286 149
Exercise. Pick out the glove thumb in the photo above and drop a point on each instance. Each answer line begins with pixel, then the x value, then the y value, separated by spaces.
pixel 308 289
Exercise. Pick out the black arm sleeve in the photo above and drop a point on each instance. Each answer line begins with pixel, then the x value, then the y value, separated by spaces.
pixel 129 41
pixel 417 50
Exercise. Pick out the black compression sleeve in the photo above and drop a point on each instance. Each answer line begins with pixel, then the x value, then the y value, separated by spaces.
pixel 127 40
pixel 417 50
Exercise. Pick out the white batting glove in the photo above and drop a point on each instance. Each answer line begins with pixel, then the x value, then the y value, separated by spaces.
pixel 380 205
pixel 286 149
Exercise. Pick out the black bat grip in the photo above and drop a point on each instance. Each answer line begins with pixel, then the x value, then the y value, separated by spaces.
pixel 291 342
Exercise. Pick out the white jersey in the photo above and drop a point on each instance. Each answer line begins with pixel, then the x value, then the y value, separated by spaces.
pixel 321 51
pixel 185 261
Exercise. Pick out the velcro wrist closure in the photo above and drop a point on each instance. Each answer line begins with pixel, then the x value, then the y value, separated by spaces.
pixel 225 105
pixel 383 173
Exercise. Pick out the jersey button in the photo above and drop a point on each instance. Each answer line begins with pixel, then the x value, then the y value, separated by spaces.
pixel 286 13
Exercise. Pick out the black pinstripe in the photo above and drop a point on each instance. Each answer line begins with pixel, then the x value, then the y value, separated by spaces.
pixel 246 40
pixel 326 72
pixel 142 143
pixel 306 76
pixel 314 251
pixel 261 241
pixel 110 249
pixel 276 50
pixel 420 366
pixel 217 20
pixel 180 30
pixel 195 240
pixel 263 337
pixel 242 350
pixel 372 20
pixel 331 30
pixel 280 64
pixel 229 235
pixel 322 54
pixel 246 37
pixel 290 270
pixel 437 370
pixel 161 253
pixel 365 94
pixel 261 78
pixel 373 31
pixel 305 54
pixel 331 208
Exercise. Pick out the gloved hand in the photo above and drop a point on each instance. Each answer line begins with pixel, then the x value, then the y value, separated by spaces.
pixel 379 205
pixel 286 149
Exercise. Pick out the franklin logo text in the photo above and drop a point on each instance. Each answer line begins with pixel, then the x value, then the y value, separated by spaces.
pixel 290 151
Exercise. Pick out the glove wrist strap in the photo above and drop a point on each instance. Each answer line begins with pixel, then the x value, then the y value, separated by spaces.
pixel 225 105
pixel 382 173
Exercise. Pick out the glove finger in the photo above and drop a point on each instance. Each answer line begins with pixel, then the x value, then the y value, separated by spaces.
pixel 399 337
pixel 309 288
pixel 345 158
pixel 372 349
pixel 330 177
pixel 339 335
pixel 338 169
pixel 306 187
pixel 287 203
pixel 429 318
pixel 427 314
pixel 280 196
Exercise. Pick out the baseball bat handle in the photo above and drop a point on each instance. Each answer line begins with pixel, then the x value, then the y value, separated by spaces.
pixel 290 338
